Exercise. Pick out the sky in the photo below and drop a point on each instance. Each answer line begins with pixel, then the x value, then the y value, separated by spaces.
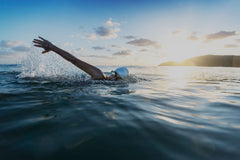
pixel 121 32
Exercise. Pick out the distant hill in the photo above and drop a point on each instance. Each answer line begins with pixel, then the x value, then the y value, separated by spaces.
pixel 208 61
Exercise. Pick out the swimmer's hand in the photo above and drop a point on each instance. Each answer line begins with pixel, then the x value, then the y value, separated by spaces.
pixel 43 43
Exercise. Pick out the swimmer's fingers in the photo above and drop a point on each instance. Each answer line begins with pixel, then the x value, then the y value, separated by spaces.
pixel 40 46
pixel 43 39
pixel 36 45
pixel 37 41
pixel 43 43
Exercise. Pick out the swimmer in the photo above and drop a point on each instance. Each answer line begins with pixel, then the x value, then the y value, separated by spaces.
pixel 93 71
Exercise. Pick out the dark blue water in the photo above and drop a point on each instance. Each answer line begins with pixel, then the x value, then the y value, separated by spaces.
pixel 158 113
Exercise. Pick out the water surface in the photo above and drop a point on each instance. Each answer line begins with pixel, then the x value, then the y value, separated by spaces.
pixel 157 113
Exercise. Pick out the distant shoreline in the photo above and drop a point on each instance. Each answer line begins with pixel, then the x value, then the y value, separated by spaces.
pixel 207 61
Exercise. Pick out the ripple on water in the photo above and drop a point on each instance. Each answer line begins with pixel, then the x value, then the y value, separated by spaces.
pixel 156 116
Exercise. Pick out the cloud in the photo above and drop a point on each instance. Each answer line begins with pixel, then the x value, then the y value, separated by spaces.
pixel 98 48
pixel 12 51
pixel 6 52
pixel 97 56
pixel 75 35
pixel 129 37
pixel 144 42
pixel 117 46
pixel 78 50
pixel 108 30
pixel 230 46
pixel 10 44
pixel 193 37
pixel 144 50
pixel 21 48
pixel 237 40
pixel 110 23
pixel 107 33
pixel 123 53
pixel 92 36
pixel 10 47
pixel 66 44
pixel 176 32
pixel 81 27
pixel 220 35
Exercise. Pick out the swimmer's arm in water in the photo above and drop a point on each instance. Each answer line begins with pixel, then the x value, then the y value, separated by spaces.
pixel 93 71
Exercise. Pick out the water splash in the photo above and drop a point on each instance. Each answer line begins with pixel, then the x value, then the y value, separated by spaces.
pixel 53 67
pixel 49 65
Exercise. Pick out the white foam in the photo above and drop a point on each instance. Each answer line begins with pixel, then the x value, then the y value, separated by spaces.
pixel 49 65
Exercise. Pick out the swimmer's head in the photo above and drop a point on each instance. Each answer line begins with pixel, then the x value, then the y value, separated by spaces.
pixel 122 72
pixel 119 73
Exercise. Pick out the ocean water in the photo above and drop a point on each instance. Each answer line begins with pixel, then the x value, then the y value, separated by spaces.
pixel 51 111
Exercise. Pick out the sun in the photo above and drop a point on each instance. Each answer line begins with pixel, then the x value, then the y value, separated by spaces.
pixel 178 48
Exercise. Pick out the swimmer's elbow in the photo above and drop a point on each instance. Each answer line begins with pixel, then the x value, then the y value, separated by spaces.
pixel 99 76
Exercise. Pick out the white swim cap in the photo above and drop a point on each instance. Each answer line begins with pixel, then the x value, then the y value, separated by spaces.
pixel 122 72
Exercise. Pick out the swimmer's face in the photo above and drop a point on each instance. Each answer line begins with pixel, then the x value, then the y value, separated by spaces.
pixel 114 76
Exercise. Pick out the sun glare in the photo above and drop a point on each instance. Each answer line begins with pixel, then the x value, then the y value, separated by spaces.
pixel 178 48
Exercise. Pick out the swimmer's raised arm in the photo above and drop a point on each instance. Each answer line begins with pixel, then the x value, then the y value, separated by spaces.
pixel 93 71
